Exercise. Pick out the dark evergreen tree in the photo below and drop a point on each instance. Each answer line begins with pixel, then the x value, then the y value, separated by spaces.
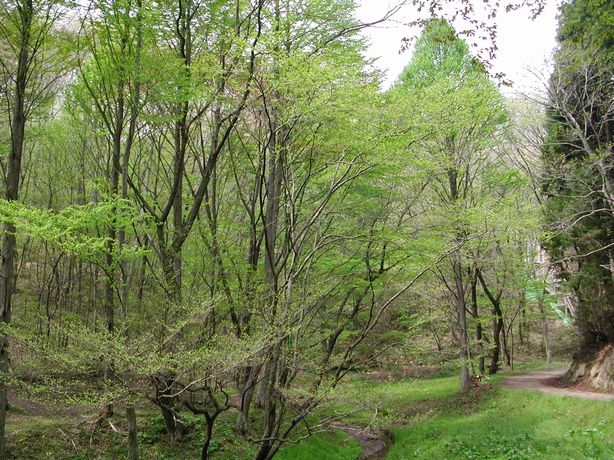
pixel 578 159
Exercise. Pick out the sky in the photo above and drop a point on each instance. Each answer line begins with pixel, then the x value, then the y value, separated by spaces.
pixel 523 43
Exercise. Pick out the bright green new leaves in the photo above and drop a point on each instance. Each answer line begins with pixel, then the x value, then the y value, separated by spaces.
pixel 78 230
pixel 451 137
pixel 440 54
pixel 456 119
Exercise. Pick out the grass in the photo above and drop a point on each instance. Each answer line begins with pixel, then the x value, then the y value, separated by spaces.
pixel 429 420
pixel 512 424
pixel 329 445
pixel 426 417
pixel 382 403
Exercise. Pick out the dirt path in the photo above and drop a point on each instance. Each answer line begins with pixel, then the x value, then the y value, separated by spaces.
pixel 544 381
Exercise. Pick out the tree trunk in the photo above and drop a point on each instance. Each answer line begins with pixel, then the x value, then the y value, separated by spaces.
pixel 209 422
pixel 497 324
pixel 247 393
pixel 461 307
pixel 172 281
pixel 522 324
pixel 112 241
pixel 545 332
pixel 478 325
pixel 465 381
pixel 506 350
pixel 133 448
pixel 270 412
pixel 267 396
pixel 163 383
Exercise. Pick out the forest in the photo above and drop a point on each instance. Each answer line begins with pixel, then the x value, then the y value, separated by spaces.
pixel 223 237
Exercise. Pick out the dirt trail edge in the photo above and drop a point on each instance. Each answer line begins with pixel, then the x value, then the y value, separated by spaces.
pixel 543 381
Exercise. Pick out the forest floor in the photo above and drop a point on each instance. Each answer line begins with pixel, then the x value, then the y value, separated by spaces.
pixel 384 415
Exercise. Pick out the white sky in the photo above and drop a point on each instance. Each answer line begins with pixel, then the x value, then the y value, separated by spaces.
pixel 522 43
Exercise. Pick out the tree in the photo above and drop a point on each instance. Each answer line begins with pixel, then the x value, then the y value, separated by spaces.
pixel 110 78
pixel 28 75
pixel 450 86
pixel 578 159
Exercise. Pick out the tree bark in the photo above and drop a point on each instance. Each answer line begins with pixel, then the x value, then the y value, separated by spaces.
pixel 544 320
pixel 209 423
pixel 133 448
pixel 478 325
pixel 497 324
pixel 459 292
pixel 465 380
pixel 505 348
pixel 247 393
pixel 163 383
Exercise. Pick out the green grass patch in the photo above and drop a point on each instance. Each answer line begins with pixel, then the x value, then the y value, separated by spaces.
pixel 364 401
pixel 512 424
pixel 335 445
